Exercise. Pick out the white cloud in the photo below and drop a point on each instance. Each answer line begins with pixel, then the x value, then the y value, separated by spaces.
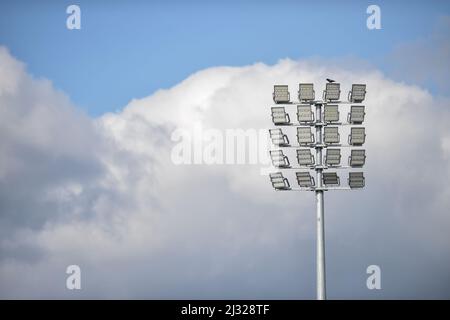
pixel 103 194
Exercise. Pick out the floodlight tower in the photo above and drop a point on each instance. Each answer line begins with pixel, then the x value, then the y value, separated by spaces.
pixel 325 122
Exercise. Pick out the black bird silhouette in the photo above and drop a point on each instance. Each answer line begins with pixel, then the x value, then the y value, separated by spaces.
pixel 330 80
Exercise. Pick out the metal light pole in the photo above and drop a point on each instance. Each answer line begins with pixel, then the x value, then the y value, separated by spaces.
pixel 326 123
pixel 320 253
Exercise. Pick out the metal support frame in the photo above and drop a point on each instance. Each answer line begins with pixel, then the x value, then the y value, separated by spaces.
pixel 320 251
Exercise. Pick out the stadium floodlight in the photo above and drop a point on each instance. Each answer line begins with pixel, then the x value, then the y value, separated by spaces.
pixel 279 182
pixel 319 152
pixel 305 158
pixel 358 93
pixel 330 179
pixel 356 115
pixel 304 113
pixel 356 180
pixel 331 113
pixel 279 160
pixel 357 136
pixel 333 157
pixel 305 180
pixel 306 92
pixel 278 138
pixel 280 116
pixel 281 94
pixel 332 91
pixel 331 135
pixel 357 158
pixel 304 136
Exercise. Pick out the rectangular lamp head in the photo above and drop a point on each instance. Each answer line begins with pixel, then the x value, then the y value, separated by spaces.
pixel 357 158
pixel 304 113
pixel 278 138
pixel 304 136
pixel 358 93
pixel 279 160
pixel 304 157
pixel 281 94
pixel 306 92
pixel 333 157
pixel 332 91
pixel 356 180
pixel 305 180
pixel 357 136
pixel 279 182
pixel 356 115
pixel 330 179
pixel 331 135
pixel 279 116
pixel 331 113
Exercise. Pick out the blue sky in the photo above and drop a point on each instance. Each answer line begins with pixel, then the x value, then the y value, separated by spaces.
pixel 126 51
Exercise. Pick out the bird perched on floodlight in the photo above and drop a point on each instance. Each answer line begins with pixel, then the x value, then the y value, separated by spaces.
pixel 330 80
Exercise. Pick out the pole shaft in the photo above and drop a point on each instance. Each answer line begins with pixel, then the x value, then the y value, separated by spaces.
pixel 320 250
pixel 321 291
